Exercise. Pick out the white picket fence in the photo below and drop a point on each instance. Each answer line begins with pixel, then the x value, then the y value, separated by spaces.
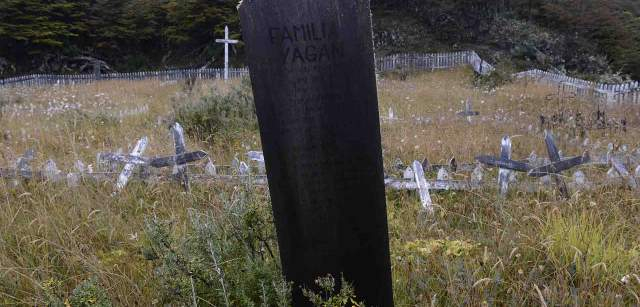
pixel 433 61
pixel 162 75
pixel 628 92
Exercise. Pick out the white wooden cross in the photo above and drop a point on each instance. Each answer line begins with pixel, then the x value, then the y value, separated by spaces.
pixel 128 168
pixel 180 169
pixel 503 173
pixel 423 187
pixel 226 41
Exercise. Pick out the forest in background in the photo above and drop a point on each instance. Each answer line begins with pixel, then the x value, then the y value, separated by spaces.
pixel 585 38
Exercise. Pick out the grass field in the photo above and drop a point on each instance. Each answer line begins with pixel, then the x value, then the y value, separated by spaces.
pixel 153 244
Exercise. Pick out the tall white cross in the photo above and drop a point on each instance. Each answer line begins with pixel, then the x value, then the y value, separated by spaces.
pixel 226 41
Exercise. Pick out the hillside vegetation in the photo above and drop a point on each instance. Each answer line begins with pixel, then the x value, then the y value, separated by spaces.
pixel 584 37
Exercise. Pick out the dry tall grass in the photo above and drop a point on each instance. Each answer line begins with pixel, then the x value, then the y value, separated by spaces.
pixel 529 249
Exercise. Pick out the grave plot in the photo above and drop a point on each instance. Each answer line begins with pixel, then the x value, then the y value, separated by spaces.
pixel 454 176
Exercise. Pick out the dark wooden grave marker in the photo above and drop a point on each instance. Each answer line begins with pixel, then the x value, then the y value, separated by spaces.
pixel 557 165
pixel 159 162
pixel 313 76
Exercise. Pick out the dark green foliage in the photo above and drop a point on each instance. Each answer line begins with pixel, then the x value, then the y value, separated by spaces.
pixel 89 293
pixel 577 36
pixel 572 35
pixel 495 79
pixel 129 34
pixel 329 297
pixel 217 113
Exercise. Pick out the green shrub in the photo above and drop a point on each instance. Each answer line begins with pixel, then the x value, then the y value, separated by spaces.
pixel 219 113
pixel 89 293
pixel 495 79
pixel 226 258
pixel 327 297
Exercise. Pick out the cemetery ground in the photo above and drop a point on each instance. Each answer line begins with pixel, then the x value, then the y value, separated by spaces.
pixel 154 244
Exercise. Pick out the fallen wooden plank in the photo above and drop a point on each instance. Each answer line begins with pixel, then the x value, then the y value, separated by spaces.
pixel 506 164
pixel 423 187
pixel 128 168
pixel 557 167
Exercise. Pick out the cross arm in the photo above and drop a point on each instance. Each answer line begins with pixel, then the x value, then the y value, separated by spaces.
pixel 178 159
pixel 227 41
pixel 559 166
pixel 552 149
pixel 504 163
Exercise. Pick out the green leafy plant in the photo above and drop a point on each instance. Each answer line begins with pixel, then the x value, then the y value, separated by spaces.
pixel 227 257
pixel 328 297
pixel 89 293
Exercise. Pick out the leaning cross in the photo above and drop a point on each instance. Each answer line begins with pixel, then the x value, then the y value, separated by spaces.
pixel 503 174
pixel 179 160
pixel 557 165
pixel 226 41
pixel 505 164
pixel 155 162
pixel 180 169
pixel 423 187
pixel 129 166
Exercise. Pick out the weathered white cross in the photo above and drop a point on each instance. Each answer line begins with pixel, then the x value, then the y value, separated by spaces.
pixel 127 171
pixel 226 41
pixel 423 187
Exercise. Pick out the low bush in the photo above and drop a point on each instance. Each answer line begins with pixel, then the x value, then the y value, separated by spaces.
pixel 329 297
pixel 225 258
pixel 87 293
pixel 216 113
pixel 495 79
